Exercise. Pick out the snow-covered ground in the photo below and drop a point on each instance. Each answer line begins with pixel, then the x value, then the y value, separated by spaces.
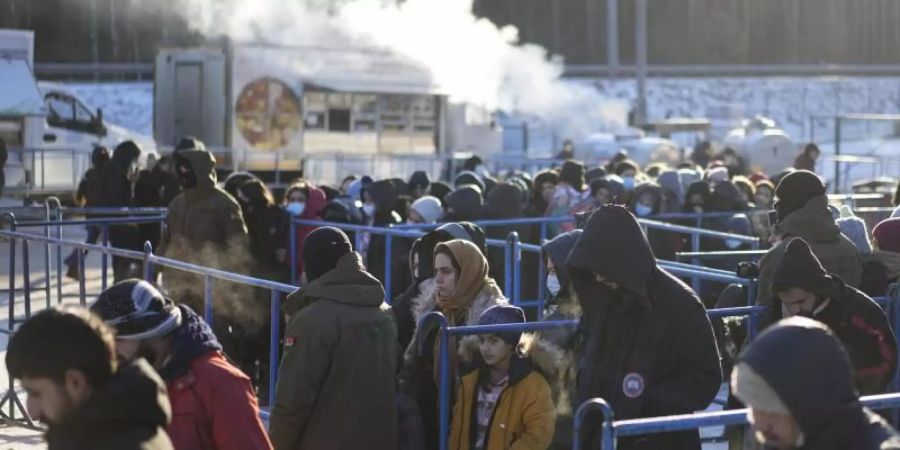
pixel 804 107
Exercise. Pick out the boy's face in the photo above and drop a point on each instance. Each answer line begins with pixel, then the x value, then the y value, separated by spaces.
pixel 494 350
pixel 774 430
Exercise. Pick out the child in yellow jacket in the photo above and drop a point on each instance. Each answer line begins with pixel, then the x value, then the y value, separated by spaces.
pixel 506 403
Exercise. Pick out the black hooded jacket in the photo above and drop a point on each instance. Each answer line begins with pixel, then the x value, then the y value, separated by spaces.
pixel 647 347
pixel 464 204
pixel 503 202
pixel 818 388
pixel 384 194
pixel 130 413
pixel 116 190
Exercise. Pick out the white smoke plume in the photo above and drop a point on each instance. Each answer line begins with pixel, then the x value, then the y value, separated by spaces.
pixel 474 60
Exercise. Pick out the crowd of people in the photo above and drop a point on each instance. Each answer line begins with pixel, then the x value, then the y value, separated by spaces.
pixel 359 368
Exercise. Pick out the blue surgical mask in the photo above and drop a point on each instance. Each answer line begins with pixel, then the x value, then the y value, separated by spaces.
pixel 628 182
pixel 642 210
pixel 295 208
pixel 732 243
pixel 553 284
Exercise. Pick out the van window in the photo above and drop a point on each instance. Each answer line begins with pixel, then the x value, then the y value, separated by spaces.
pixel 66 112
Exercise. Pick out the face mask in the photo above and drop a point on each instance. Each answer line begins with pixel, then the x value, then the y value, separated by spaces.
pixel 369 209
pixel 732 243
pixel 628 182
pixel 296 208
pixel 186 175
pixel 553 285
pixel 642 210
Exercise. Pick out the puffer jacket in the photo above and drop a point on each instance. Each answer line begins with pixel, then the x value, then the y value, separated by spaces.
pixel 336 387
pixel 815 224
pixel 213 403
pixel 523 418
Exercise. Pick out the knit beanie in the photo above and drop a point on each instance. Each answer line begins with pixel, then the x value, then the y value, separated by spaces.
pixel 468 177
pixel 419 179
pixel 503 314
pixel 429 208
pixel 137 311
pixel 887 235
pixel 594 174
pixel 795 189
pixel 322 249
pixel 800 268
pixel 855 229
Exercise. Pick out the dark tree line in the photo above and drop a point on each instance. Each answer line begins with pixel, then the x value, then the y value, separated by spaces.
pixel 680 31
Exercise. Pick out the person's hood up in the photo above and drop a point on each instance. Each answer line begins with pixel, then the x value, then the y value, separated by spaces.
pixel 807 368
pixel 616 187
pixel 504 202
pixel 419 178
pixel 440 190
pixel 203 164
pixel 594 174
pixel 671 182
pixel 557 250
pixel 856 230
pixel 651 188
pixel 613 245
pixel 468 177
pixel 799 267
pixel 725 196
pixel 192 339
pixel 812 222
pixel 135 397
pixel 315 203
pixel 739 224
pixel 697 188
pixel 384 195
pixel 341 210
pixel 447 232
pixel 464 204
pixel 126 153
pixel 348 283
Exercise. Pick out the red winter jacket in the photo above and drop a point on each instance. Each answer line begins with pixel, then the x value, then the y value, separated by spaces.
pixel 214 408
pixel 315 203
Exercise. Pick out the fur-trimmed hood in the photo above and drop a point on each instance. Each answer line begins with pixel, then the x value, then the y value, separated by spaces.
pixel 426 301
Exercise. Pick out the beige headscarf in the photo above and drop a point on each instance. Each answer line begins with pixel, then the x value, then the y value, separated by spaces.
pixel 473 276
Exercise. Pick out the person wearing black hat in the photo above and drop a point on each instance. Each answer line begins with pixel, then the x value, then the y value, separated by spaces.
pixel 419 184
pixel 336 386
pixel 801 210
pixel 213 403
pixel 797 380
pixel 804 288
pixel 647 345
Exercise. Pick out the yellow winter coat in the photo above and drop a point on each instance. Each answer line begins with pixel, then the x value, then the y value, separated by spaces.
pixel 524 418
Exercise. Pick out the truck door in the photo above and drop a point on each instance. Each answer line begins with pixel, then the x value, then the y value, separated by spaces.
pixel 188 104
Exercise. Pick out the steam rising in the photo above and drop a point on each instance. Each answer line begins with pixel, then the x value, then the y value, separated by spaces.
pixel 472 59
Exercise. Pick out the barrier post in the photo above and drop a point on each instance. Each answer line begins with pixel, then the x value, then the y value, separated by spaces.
pixel 293 251
pixel 752 321
pixel 56 207
pixel 894 295
pixel 148 266
pixel 388 251
pixel 12 270
pixel 47 246
pixel 695 247
pixel 104 258
pixel 542 284
pixel 608 437
pixel 274 335
pixel 517 267
pixel 443 371
pixel 207 300
pixel 26 275
pixel 507 265
pixel 543 232
pixel 82 288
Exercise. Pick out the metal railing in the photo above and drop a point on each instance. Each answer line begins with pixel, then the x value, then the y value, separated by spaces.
pixel 13 236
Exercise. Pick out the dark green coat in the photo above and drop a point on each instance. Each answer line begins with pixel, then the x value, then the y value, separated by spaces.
pixel 336 387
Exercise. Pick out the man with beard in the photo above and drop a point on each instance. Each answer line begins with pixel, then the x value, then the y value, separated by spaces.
pixel 804 288
pixel 65 360
pixel 213 403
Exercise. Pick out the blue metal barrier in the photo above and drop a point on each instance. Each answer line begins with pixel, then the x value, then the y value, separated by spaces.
pixel 445 331
pixel 611 429
pixel 150 260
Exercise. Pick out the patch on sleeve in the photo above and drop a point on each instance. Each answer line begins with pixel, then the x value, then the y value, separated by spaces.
pixel 633 385
pixel 289 341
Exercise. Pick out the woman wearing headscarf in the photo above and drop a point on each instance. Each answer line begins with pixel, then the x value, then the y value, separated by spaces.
pixel 462 291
